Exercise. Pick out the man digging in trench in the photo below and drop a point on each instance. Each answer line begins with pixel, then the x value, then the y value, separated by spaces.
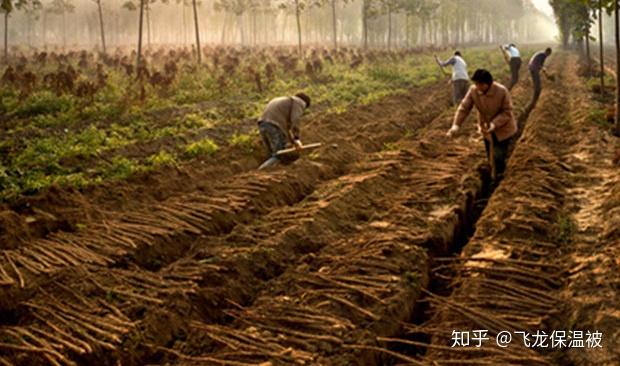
pixel 496 120
pixel 279 125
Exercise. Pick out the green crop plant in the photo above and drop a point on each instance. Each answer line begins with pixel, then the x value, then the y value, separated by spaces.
pixel 162 158
pixel 205 147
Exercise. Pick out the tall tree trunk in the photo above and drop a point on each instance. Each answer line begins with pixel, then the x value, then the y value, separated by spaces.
pixel 600 41
pixel 30 29
pixel 148 23
pixel 140 21
pixel 6 37
pixel 241 27
pixel 407 31
pixel 588 57
pixel 297 16
pixel 617 38
pixel 334 24
pixel 101 25
pixel 64 29
pixel 197 29
pixel 254 31
pixel 389 35
pixel 223 38
pixel 365 23
pixel 184 23
pixel 565 30
pixel 44 25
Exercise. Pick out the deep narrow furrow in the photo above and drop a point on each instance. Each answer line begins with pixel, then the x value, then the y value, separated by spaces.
pixel 506 275
pixel 357 282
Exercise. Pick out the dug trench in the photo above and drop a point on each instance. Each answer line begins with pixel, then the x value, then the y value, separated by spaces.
pixel 70 209
pixel 541 258
pixel 134 309
pixel 162 232
pixel 354 283
pixel 67 209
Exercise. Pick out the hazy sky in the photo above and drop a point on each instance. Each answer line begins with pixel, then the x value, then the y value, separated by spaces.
pixel 544 6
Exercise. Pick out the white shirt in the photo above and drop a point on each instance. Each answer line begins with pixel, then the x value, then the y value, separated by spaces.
pixel 459 68
pixel 513 51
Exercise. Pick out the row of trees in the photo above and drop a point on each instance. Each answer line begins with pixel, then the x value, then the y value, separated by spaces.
pixel 582 21
pixel 371 23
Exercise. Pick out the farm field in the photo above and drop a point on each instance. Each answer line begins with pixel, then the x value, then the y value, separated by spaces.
pixel 337 255
pixel 136 227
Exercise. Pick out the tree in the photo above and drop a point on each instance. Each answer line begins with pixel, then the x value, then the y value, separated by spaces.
pixel 238 9
pixel 31 8
pixel 129 5
pixel 7 8
pixel 297 6
pixel 198 49
pixel 100 11
pixel 62 7
pixel 389 7
pixel 607 6
pixel 562 10
pixel 332 4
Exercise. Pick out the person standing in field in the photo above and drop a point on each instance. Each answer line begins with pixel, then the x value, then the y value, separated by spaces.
pixel 279 124
pixel 460 79
pixel 536 65
pixel 496 121
pixel 514 60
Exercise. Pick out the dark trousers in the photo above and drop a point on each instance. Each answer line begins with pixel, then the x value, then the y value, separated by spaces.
pixel 515 66
pixel 459 90
pixel 537 86
pixel 273 137
pixel 500 153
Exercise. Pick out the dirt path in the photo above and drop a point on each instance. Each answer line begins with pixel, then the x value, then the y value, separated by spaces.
pixel 543 256
pixel 593 288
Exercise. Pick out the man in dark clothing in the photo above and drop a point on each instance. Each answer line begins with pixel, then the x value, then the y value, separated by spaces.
pixel 514 62
pixel 496 121
pixel 279 123
pixel 536 65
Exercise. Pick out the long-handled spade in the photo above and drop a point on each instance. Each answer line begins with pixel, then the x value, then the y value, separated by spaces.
pixel 274 159
pixel 505 55
pixel 491 152
pixel 443 71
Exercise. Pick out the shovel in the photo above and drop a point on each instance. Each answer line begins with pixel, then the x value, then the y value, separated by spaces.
pixel 274 159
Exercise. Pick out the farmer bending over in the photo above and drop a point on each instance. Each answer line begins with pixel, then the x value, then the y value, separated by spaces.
pixel 460 79
pixel 496 121
pixel 536 65
pixel 279 123
pixel 514 56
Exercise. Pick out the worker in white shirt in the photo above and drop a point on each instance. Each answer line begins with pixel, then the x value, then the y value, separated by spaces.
pixel 460 79
pixel 513 53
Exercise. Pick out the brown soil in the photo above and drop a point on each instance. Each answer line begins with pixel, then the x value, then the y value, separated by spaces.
pixel 322 263
pixel 542 257
pixel 95 273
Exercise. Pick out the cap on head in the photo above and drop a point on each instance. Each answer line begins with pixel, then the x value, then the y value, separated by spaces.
pixel 304 97
pixel 482 76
